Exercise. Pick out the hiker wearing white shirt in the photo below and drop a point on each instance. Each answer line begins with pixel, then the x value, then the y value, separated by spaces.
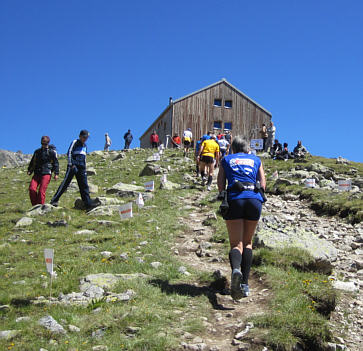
pixel 271 132
pixel 187 140
pixel 223 146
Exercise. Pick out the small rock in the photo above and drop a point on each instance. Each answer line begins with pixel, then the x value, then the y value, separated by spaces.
pixel 155 264
pixel 106 254
pixel 99 333
pixel 100 348
pixel 61 223
pixel 51 324
pixel 8 334
pixel 22 319
pixel 4 308
pixel 73 328
pixel 133 330
pixel 85 232
pixel 124 256
pixel 91 171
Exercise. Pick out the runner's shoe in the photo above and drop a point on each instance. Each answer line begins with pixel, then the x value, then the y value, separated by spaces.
pixel 55 204
pixel 203 181
pixel 236 290
pixel 209 188
pixel 245 289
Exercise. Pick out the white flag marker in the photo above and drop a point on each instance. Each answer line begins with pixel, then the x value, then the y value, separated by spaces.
pixel 149 186
pixel 345 185
pixel 310 183
pixel 126 211
pixel 140 201
pixel 49 257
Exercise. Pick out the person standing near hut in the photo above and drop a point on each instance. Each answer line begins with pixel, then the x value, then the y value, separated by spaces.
pixel 154 140
pixel 264 135
pixel 271 132
pixel 187 140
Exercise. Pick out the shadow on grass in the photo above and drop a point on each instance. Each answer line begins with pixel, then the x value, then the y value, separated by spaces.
pixel 189 290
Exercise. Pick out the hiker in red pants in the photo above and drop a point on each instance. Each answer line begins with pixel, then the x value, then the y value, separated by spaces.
pixel 42 164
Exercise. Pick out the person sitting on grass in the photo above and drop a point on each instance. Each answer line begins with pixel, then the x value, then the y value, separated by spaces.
pixel 300 150
pixel 284 154
pixel 241 170
pixel 276 149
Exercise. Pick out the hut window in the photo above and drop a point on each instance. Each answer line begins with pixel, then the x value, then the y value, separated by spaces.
pixel 218 102
pixel 217 125
pixel 228 126
pixel 228 104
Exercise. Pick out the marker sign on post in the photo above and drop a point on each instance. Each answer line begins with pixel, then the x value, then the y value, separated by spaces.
pixel 164 178
pixel 310 183
pixel 149 186
pixel 345 185
pixel 275 175
pixel 257 144
pixel 126 211
pixel 49 257
pixel 140 201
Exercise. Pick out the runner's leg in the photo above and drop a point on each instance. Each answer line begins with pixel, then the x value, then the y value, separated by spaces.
pixel 44 182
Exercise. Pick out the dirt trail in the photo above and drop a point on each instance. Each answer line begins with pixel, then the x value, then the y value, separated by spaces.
pixel 228 317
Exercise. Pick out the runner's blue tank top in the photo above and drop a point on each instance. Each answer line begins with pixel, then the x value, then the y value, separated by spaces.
pixel 244 168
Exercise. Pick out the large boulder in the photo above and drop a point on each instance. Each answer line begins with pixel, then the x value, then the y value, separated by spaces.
pixel 125 190
pixel 24 222
pixel 322 250
pixel 107 281
pixel 342 161
pixel 318 168
pixel 150 169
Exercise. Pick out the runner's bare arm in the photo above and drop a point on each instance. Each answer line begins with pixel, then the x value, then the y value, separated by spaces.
pixel 221 180
pixel 261 177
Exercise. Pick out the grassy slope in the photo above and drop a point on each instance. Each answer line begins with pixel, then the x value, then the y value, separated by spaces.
pixel 162 317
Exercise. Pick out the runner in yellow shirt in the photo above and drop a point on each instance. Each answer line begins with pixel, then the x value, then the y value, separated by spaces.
pixel 209 152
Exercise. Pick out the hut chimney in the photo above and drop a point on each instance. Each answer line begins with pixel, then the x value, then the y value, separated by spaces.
pixel 170 100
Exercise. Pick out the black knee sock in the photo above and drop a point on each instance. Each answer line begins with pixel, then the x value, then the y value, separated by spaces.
pixel 210 178
pixel 197 169
pixel 246 264
pixel 202 173
pixel 235 258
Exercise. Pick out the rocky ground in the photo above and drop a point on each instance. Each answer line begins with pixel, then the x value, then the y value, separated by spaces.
pixel 339 247
pixel 13 159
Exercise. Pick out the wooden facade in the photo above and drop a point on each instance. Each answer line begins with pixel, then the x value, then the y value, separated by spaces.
pixel 220 106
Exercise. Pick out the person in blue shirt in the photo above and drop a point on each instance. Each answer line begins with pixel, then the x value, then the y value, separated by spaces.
pixel 241 170
pixel 198 144
pixel 76 167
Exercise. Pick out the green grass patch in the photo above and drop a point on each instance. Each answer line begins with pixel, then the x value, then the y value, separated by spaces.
pixel 301 303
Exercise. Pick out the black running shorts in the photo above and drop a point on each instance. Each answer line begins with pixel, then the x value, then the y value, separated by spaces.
pixel 249 209
pixel 186 143
pixel 207 159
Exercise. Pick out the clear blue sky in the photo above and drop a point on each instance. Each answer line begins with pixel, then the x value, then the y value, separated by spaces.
pixel 112 65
